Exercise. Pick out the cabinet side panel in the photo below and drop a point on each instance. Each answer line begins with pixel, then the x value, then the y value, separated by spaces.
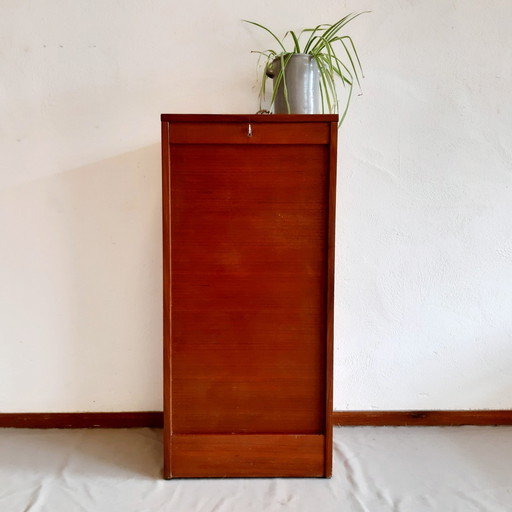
pixel 166 237
pixel 331 234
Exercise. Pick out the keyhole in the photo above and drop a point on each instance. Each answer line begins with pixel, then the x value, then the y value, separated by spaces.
pixel 249 131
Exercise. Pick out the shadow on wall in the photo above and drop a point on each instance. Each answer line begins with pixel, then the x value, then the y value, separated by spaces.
pixel 84 267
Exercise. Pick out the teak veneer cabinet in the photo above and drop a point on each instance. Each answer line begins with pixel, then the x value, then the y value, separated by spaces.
pixel 248 233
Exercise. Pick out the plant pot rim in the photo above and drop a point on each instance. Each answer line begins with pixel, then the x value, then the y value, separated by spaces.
pixel 309 56
pixel 294 54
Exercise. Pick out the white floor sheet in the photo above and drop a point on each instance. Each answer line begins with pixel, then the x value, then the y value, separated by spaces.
pixel 415 469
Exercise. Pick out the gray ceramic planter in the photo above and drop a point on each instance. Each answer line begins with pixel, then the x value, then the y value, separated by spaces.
pixel 302 84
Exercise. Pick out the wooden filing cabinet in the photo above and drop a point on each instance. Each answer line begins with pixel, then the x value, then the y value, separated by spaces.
pixel 248 232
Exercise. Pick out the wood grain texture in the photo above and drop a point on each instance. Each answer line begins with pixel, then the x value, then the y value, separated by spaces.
pixel 251 133
pixel 421 418
pixel 249 235
pixel 251 279
pixel 248 456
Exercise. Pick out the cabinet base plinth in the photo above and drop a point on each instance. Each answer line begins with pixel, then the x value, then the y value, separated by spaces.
pixel 249 455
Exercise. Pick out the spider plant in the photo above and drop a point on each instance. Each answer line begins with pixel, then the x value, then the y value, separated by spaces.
pixel 335 55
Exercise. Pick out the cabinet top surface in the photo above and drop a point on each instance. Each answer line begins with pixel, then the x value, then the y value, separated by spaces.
pixel 252 118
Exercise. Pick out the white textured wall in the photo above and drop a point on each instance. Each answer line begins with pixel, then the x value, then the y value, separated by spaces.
pixel 424 252
pixel 424 283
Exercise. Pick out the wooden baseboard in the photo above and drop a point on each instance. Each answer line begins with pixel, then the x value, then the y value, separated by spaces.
pixel 153 419
pixel 421 418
